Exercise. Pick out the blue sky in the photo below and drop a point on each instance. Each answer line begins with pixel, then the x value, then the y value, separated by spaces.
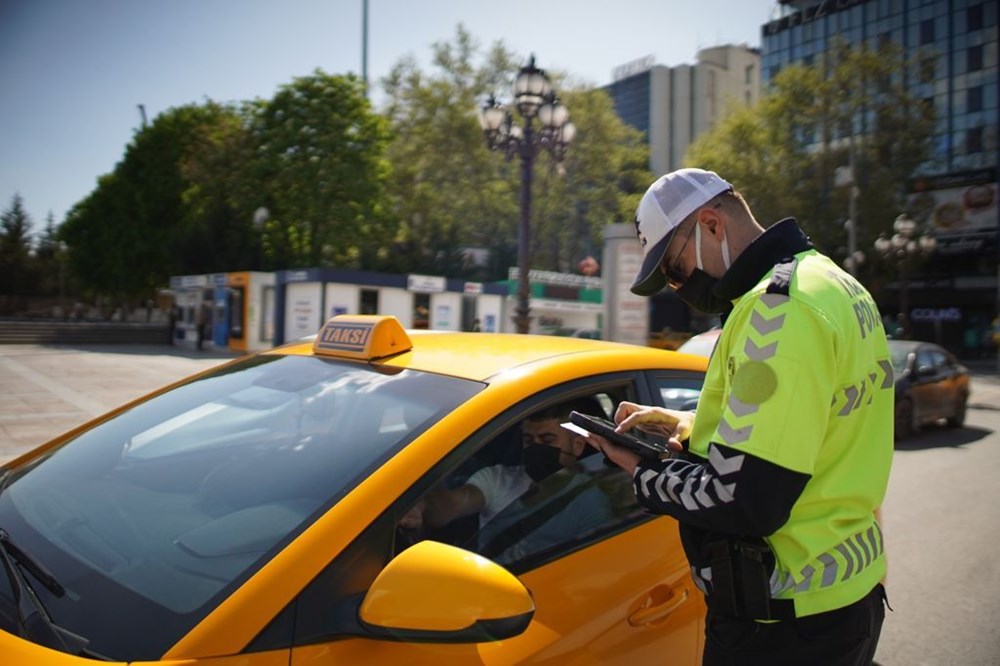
pixel 72 72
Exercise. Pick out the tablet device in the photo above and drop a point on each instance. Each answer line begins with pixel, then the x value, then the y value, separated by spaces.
pixel 606 429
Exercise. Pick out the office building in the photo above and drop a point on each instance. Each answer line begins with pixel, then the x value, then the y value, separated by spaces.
pixel 673 105
pixel 953 196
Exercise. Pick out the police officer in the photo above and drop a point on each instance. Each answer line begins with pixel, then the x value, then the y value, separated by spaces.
pixel 787 458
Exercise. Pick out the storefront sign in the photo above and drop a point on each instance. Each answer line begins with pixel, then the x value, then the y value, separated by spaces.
pixel 425 284
pixel 553 277
pixel 936 314
pixel 632 68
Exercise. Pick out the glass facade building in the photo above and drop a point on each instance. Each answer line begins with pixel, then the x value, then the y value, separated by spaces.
pixel 955 41
pixel 954 194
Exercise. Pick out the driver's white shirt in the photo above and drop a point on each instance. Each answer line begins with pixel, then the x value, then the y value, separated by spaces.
pixel 500 485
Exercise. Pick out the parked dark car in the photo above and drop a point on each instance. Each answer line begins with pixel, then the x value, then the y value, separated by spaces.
pixel 930 385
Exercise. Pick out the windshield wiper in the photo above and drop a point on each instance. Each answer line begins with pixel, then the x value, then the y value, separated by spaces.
pixel 33 620
pixel 44 576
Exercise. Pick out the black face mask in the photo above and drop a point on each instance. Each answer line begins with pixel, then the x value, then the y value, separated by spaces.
pixel 541 461
pixel 698 291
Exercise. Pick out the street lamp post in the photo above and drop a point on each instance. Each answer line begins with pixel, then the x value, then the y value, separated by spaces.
pixel 903 247
pixel 533 99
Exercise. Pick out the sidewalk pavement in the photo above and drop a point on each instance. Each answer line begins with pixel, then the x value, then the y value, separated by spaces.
pixel 46 390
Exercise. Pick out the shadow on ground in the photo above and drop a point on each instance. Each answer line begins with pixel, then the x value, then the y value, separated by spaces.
pixel 939 436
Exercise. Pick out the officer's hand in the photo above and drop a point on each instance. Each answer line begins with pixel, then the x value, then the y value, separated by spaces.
pixel 619 455
pixel 670 423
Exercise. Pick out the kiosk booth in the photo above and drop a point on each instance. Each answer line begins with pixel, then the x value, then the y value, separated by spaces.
pixel 305 299
pixel 195 316
pixel 249 308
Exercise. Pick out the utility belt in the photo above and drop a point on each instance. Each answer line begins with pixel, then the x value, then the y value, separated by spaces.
pixel 736 580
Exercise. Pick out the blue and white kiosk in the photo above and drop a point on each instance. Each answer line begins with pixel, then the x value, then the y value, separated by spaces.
pixel 306 298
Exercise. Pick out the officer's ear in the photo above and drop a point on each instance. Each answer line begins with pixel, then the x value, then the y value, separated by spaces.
pixel 712 221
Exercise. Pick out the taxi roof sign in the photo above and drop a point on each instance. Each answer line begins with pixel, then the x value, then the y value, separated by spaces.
pixel 365 337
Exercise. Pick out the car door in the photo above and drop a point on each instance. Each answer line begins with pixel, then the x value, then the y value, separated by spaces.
pixel 951 382
pixel 619 593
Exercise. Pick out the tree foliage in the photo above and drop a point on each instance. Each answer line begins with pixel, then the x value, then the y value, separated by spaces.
pixel 134 230
pixel 16 274
pixel 184 197
pixel 451 194
pixel 851 107
pixel 321 166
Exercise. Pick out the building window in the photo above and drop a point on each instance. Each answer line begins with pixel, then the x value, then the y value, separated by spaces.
pixel 974 17
pixel 974 58
pixel 974 140
pixel 421 310
pixel 748 74
pixel 927 31
pixel 974 99
pixel 926 71
pixel 369 302
pixel 884 39
pixel 928 107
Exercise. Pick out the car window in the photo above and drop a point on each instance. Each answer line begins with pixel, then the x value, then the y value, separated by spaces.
pixel 566 508
pixel 561 514
pixel 159 512
pixel 526 522
pixel 900 357
pixel 925 358
pixel 940 359
pixel 678 390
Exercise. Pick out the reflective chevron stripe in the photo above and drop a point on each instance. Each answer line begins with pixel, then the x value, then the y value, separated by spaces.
pixel 758 380
pixel 861 394
pixel 887 374
pixel 853 556
pixel 679 483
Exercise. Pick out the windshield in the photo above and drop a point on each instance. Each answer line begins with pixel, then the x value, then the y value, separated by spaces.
pixel 152 517
pixel 900 354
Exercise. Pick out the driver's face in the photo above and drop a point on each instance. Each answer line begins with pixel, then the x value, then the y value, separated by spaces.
pixel 549 433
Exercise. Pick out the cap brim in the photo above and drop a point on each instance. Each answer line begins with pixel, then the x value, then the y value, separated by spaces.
pixel 650 280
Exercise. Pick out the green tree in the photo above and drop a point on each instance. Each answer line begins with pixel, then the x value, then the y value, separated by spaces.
pixel 600 182
pixel 137 228
pixel 49 260
pixel 218 231
pixel 451 194
pixel 321 166
pixel 16 264
pixel 851 107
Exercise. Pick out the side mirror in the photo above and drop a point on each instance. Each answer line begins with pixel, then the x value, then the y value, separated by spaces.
pixel 433 592
pixel 926 371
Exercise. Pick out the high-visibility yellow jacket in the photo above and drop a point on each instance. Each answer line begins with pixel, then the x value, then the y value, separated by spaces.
pixel 792 439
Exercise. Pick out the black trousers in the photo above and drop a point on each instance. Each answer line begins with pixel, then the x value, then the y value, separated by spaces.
pixel 844 637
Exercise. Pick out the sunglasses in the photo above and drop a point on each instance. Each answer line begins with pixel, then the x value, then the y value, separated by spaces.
pixel 675 278
pixel 671 272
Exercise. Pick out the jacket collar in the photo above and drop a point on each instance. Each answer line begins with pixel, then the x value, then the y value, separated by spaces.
pixel 781 241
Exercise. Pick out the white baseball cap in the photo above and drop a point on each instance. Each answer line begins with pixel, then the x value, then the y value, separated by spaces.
pixel 666 204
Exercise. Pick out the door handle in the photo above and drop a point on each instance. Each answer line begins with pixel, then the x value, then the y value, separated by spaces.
pixel 650 612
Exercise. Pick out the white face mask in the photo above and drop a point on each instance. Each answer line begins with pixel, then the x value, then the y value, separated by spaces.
pixel 697 248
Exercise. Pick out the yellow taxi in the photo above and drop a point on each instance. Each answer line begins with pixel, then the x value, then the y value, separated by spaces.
pixel 256 514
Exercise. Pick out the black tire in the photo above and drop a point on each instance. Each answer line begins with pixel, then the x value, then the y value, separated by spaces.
pixel 903 423
pixel 957 419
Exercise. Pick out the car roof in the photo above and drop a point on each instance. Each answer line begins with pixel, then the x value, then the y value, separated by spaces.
pixel 480 356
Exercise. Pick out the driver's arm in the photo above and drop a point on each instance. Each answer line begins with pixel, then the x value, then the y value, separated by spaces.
pixel 441 506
